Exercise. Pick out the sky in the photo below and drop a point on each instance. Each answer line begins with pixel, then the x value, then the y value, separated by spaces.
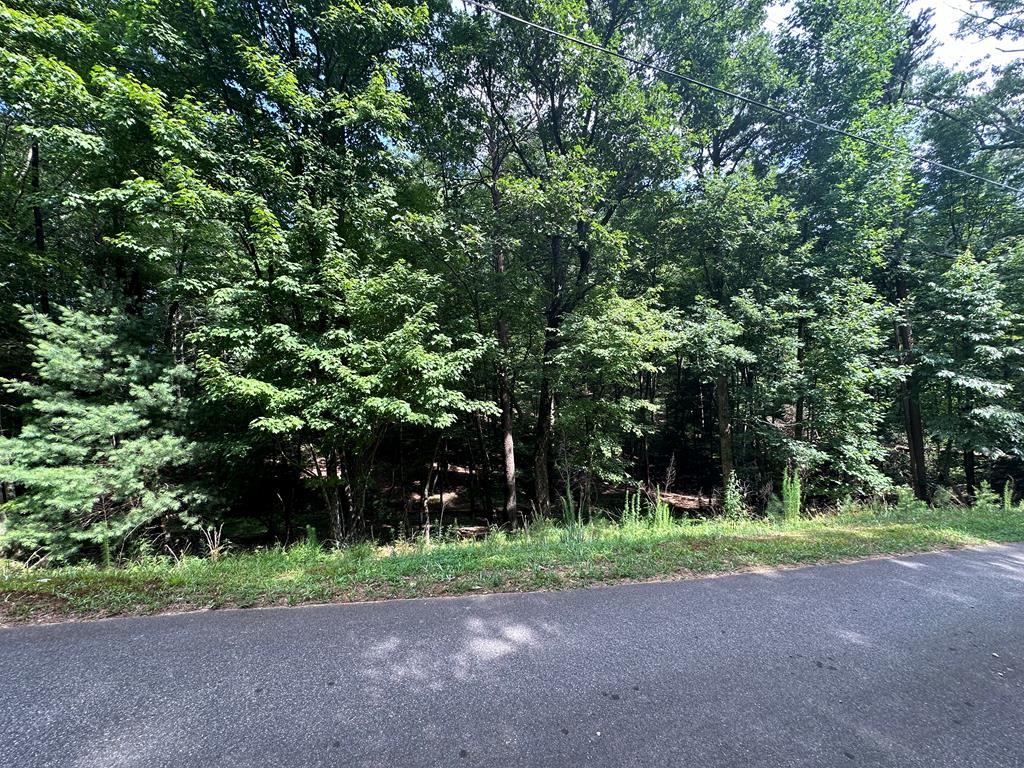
pixel 952 51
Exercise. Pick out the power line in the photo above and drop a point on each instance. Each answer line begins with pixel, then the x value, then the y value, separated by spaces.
pixel 740 97
pixel 958 101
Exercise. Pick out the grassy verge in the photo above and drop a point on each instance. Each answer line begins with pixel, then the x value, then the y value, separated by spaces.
pixel 542 558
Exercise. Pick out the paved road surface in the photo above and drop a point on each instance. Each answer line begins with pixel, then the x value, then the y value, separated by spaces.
pixel 916 661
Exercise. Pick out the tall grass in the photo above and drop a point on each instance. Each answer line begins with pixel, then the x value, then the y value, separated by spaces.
pixel 791 494
pixel 661 512
pixel 646 542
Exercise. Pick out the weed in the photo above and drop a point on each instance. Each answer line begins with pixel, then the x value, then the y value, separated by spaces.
pixel 570 516
pixel 791 494
pixel 733 505
pixel 660 511
pixel 631 509
pixel 215 543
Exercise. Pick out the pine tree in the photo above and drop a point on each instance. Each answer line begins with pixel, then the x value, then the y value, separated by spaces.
pixel 99 455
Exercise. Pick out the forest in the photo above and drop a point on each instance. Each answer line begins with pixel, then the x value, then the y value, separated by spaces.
pixel 274 269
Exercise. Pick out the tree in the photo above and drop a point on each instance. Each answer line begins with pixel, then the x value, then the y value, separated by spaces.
pixel 737 237
pixel 101 451
pixel 969 355
pixel 392 252
pixel 570 140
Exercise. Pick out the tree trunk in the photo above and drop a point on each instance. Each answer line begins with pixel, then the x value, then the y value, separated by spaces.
pixel 508 451
pixel 37 220
pixel 724 426
pixel 353 504
pixel 335 514
pixel 426 493
pixel 915 440
pixel 911 405
pixel 484 469
pixel 798 418
pixel 969 471
pixel 546 397
pixel 945 464
pixel 508 443
pixel 542 449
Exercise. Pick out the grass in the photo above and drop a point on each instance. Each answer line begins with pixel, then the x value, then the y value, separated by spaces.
pixel 544 557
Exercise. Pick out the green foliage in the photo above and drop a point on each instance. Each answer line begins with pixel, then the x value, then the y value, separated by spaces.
pixel 335 249
pixel 572 514
pixel 986 498
pixel 791 493
pixel 734 505
pixel 970 356
pixel 100 452
pixel 845 375
pixel 606 345
pixel 660 511
pixel 631 508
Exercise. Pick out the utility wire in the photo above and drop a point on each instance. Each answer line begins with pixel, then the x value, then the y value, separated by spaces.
pixel 740 97
pixel 958 102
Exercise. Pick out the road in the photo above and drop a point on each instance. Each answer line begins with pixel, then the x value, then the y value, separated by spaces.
pixel 913 661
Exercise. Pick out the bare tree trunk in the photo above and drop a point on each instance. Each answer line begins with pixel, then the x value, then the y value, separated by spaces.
pixel 915 440
pixel 912 422
pixel 969 471
pixel 37 219
pixel 426 493
pixel 546 396
pixel 480 472
pixel 724 426
pixel 798 426
pixel 945 464
pixel 508 443
pixel 508 451
pixel 542 449
pixel 331 492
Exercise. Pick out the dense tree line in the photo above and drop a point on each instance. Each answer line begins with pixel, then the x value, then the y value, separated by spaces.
pixel 361 266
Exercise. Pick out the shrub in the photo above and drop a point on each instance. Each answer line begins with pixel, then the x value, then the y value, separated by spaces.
pixel 100 456
pixel 986 499
pixel 733 504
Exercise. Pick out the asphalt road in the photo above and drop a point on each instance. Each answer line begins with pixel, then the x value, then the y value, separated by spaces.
pixel 914 661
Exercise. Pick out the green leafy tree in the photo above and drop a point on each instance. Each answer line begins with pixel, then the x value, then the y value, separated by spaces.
pixel 614 349
pixel 846 375
pixel 969 356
